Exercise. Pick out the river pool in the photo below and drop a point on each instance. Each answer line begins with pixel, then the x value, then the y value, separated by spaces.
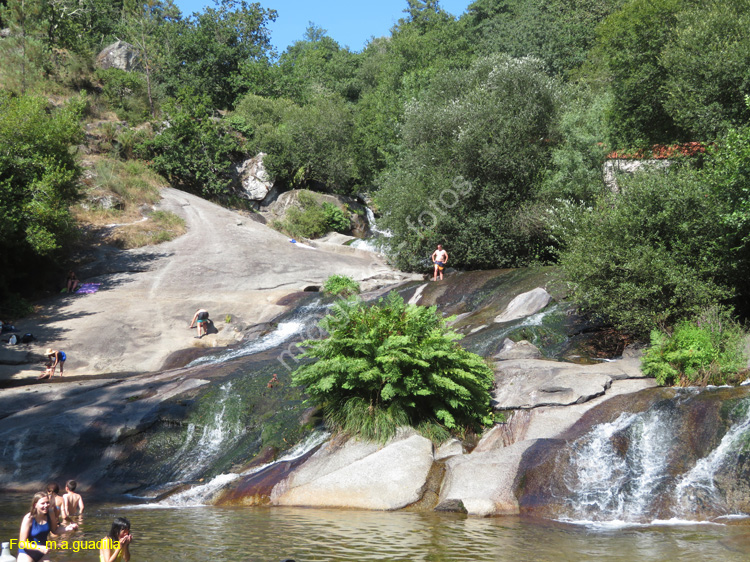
pixel 219 534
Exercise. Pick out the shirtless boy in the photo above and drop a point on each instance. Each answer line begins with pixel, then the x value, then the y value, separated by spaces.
pixel 72 502
pixel 439 258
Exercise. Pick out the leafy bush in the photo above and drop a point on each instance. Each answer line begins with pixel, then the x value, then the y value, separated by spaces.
pixel 651 255
pixel 705 350
pixel 313 220
pixel 391 364
pixel 341 285
pixel 194 150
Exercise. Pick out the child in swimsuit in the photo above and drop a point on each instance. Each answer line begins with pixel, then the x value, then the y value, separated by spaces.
pixel 116 545
pixel 36 527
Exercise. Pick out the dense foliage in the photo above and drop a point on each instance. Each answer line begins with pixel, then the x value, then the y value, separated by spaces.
pixel 707 349
pixel 486 133
pixel 392 364
pixel 38 182
pixel 474 145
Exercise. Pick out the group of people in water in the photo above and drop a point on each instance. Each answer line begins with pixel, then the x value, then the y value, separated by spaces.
pixel 52 513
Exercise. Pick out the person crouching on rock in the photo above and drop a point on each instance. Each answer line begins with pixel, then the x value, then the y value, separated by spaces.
pixel 36 526
pixel 58 359
pixel 201 317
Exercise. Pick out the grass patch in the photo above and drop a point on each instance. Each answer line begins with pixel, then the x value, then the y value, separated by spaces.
pixel 160 226
pixel 117 205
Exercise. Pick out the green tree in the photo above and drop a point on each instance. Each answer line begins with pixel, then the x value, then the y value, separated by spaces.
pixel 216 49
pixel 629 43
pixel 145 25
pixel 651 255
pixel 314 63
pixel 707 61
pixel 38 181
pixel 559 32
pixel 24 52
pixel 474 145
pixel 194 149
pixel 393 364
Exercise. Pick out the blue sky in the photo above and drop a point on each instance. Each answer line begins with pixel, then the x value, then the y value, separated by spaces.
pixel 351 22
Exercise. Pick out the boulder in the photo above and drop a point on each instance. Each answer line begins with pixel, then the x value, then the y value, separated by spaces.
pixel 120 55
pixel 360 475
pixel 253 179
pixel 524 305
pixel 529 383
pixel 517 350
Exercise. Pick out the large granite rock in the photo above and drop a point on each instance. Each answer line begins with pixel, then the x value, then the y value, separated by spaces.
pixel 484 482
pixel 529 383
pixel 524 305
pixel 119 54
pixel 360 475
pixel 254 182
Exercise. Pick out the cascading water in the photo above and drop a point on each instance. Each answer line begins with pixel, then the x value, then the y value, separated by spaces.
pixel 221 431
pixel 303 318
pixel 697 488
pixel 641 468
pixel 202 494
pixel 607 483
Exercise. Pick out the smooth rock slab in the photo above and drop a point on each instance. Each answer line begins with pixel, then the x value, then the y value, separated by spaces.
pixel 529 383
pixel 524 305
pixel 360 475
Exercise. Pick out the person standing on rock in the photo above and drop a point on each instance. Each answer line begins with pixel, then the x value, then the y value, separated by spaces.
pixel 201 317
pixel 439 258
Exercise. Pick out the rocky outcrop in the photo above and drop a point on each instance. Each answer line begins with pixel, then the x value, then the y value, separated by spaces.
pixel 120 55
pixel 254 183
pixel 524 305
pixel 617 166
pixel 360 475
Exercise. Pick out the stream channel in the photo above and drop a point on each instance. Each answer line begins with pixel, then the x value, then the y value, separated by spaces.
pixel 183 527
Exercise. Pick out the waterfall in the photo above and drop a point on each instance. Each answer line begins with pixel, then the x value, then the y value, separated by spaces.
pixel 618 468
pixel 697 487
pixel 203 494
pixel 374 227
pixel 219 433
pixel 641 468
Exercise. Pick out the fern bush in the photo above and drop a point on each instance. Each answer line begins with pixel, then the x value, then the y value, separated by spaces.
pixel 705 350
pixel 393 364
pixel 341 286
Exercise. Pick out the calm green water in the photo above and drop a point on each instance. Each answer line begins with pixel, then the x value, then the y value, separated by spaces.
pixel 270 534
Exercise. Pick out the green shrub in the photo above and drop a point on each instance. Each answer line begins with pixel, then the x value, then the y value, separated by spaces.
pixel 705 350
pixel 341 285
pixel 313 220
pixel 651 255
pixel 392 364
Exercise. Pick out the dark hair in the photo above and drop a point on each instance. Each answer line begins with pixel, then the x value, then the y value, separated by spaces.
pixel 71 485
pixel 53 487
pixel 38 496
pixel 118 525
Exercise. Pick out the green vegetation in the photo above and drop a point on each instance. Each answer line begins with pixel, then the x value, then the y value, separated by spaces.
pixel 341 286
pixel 312 219
pixel 486 133
pixel 708 349
pixel 393 364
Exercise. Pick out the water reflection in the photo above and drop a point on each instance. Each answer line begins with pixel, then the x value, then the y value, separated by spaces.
pixel 198 534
